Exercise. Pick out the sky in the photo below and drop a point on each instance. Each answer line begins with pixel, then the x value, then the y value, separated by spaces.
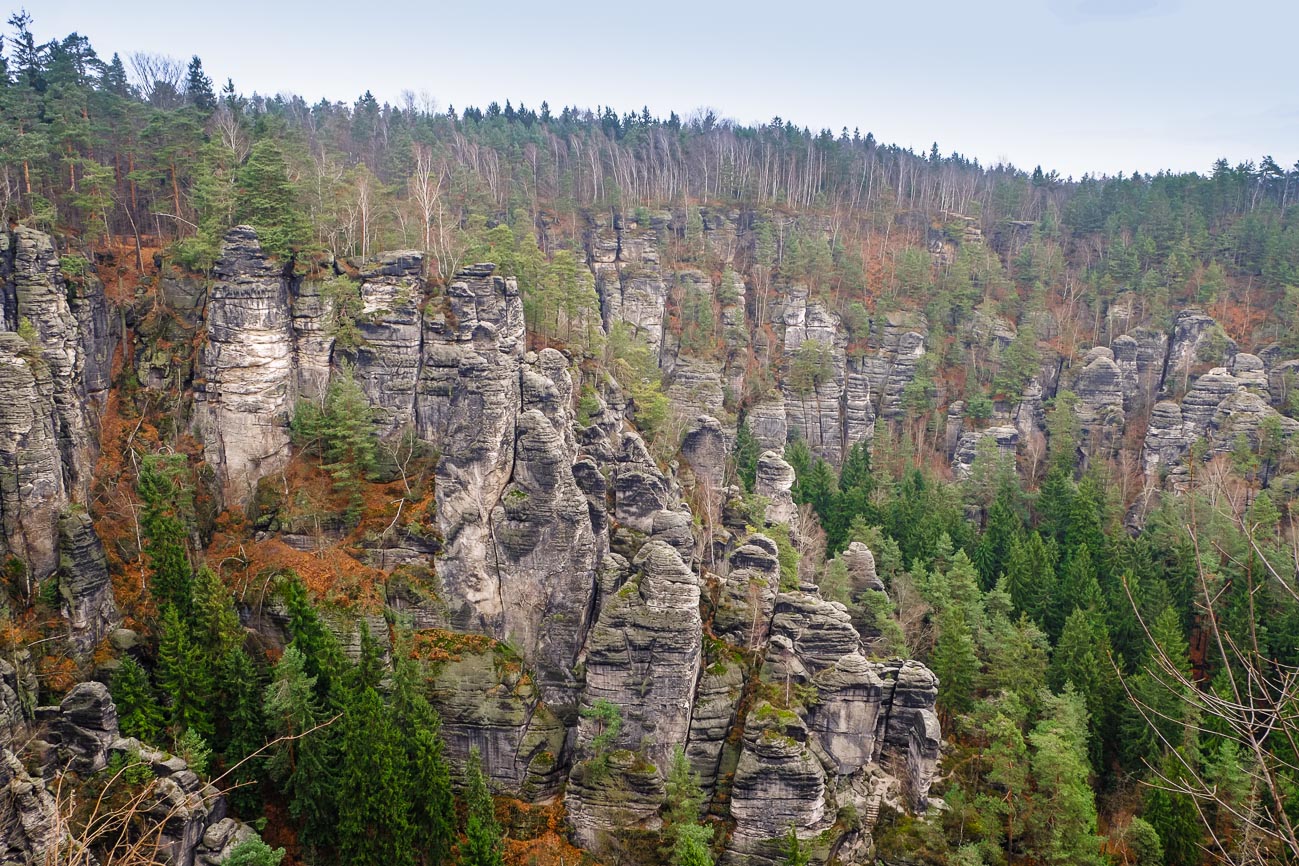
pixel 1076 86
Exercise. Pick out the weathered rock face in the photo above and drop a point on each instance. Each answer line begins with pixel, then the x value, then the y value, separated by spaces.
pixel 748 594
pixel 85 727
pixel 32 484
pixel 470 409
pixel 42 300
pixel 520 740
pixel 774 481
pixel 778 784
pixel 1188 343
pixel 911 736
pixel 813 402
pixel 1006 438
pixel 705 449
pixel 52 387
pixel 604 805
pixel 628 279
pixel 769 425
pixel 84 584
pixel 244 409
pixel 186 816
pixel 861 568
pixel 1140 356
pixel 30 826
pixel 1099 386
pixel 542 531
pixel 388 356
pixel 1220 407
pixel 644 652
pixel 313 339
pixel 696 387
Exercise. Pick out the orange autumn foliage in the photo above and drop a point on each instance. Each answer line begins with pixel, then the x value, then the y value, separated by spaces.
pixel 536 835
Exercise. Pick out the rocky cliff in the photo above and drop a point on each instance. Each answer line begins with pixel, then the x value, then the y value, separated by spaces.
pixel 605 573
pixel 567 542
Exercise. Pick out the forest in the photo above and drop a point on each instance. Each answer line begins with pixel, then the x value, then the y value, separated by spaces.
pixel 1115 637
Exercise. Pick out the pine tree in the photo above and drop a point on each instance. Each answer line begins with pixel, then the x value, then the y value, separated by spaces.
pixel 322 657
pixel 373 786
pixel 138 712
pixel 185 677
pixel 1078 587
pixel 1055 502
pixel 1081 659
pixel 241 729
pixel 1065 829
pixel 265 199
pixel 164 525
pixel 685 800
pixel 992 553
pixel 254 852
pixel 306 764
pixel 482 845
pixel 1175 818
pixel 746 454
pixel 1030 577
pixel 854 497
pixel 432 815
pixel 1157 715
pixel 956 664
pixel 198 87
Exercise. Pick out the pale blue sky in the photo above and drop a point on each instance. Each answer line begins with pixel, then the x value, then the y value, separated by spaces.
pixel 1075 85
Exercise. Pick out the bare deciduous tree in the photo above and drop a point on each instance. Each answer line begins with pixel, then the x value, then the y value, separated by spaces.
pixel 1252 701
pixel 158 78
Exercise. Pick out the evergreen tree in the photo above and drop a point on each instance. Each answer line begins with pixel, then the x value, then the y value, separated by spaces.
pixel 198 87
pixel 341 433
pixel 164 525
pixel 185 677
pixel 1065 829
pixel 482 845
pixel 241 729
pixel 1081 659
pixel 1055 502
pixel 138 712
pixel 685 800
pixel 1030 578
pixel 373 788
pixel 746 454
pixel 305 763
pixel 254 852
pixel 432 810
pixel 955 663
pixel 1078 587
pixel 1157 715
pixel 264 198
pixel 853 499
pixel 992 554
pixel 321 656
pixel 1174 818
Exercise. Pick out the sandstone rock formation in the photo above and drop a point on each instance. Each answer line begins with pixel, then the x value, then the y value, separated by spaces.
pixel 247 399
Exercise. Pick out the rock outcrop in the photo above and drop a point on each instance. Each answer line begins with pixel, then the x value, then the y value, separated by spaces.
pixel 30 825
pixel 184 817
pixel 55 354
pixel 84 584
pixel 246 401
pixel 628 278
pixel 644 654
pixel 33 490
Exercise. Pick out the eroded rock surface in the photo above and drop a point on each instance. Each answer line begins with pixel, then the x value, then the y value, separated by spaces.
pixel 248 365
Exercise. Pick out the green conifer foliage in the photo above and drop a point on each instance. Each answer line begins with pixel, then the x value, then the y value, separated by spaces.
pixel 266 200
pixel 482 845
pixel 138 712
